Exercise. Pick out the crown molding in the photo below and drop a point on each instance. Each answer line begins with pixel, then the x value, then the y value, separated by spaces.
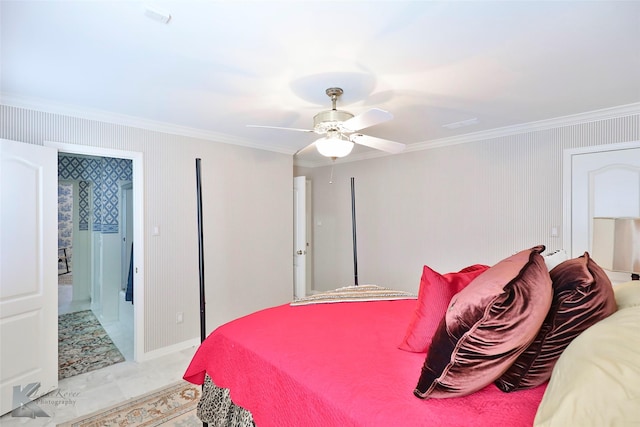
pixel 125 120
pixel 121 119
pixel 542 125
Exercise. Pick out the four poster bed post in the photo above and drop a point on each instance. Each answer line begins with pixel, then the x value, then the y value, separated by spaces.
pixel 203 320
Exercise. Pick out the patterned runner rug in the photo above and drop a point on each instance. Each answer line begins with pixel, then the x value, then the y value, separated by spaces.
pixel 83 345
pixel 174 405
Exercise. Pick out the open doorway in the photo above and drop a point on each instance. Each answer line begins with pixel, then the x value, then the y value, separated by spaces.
pixel 92 218
pixel 102 246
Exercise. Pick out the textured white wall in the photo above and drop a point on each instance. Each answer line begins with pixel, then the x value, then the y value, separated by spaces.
pixel 247 207
pixel 447 207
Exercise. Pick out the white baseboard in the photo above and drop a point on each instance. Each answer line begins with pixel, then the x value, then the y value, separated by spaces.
pixel 164 351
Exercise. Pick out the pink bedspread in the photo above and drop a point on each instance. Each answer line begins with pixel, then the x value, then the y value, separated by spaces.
pixel 339 365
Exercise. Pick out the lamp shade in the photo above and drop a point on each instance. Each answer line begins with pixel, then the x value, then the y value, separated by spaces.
pixel 616 244
pixel 334 146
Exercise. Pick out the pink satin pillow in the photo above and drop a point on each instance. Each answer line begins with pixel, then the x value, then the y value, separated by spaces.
pixel 434 295
pixel 487 326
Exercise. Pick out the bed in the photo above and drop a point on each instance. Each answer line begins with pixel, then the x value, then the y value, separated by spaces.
pixel 376 357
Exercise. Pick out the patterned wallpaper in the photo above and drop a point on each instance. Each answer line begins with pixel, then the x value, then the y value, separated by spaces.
pixel 83 210
pixel 65 223
pixel 65 214
pixel 102 174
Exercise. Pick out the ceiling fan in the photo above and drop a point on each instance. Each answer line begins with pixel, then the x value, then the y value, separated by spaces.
pixel 340 129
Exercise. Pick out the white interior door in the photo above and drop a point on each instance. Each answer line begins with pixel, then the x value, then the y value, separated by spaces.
pixel 28 273
pixel 300 236
pixel 603 184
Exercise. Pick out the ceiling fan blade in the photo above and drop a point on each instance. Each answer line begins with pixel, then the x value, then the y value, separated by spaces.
pixel 281 128
pixel 367 119
pixel 305 149
pixel 378 143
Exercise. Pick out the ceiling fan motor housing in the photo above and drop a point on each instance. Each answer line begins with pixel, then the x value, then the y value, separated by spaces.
pixel 330 120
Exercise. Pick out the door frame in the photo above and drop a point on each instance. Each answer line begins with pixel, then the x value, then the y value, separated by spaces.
pixel 567 175
pixel 126 229
pixel 300 286
pixel 136 158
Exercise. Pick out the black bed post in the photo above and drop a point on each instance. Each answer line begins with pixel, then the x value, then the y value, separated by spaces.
pixel 353 222
pixel 203 320
pixel 203 329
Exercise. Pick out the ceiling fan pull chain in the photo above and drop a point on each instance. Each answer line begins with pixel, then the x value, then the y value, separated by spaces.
pixel 331 177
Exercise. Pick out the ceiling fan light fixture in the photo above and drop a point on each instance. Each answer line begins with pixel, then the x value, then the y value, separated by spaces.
pixel 334 146
pixel 339 127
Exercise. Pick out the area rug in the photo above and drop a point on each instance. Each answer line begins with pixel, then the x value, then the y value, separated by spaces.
pixel 83 345
pixel 174 405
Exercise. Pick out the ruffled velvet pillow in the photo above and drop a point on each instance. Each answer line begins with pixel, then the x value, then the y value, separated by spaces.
pixel 486 327
pixel 582 296
pixel 434 295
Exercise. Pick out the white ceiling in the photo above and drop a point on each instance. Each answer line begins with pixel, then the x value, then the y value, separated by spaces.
pixel 220 65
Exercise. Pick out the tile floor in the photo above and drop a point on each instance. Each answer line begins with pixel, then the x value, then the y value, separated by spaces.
pixel 89 392
pixel 120 331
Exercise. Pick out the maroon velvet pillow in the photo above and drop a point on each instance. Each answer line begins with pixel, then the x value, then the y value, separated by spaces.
pixel 582 296
pixel 487 325
pixel 434 295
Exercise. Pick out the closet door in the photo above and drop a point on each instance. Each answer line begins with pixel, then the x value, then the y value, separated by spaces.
pixel 300 237
pixel 602 184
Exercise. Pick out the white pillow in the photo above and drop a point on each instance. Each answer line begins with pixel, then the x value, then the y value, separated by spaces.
pixel 595 381
pixel 627 294
pixel 554 258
